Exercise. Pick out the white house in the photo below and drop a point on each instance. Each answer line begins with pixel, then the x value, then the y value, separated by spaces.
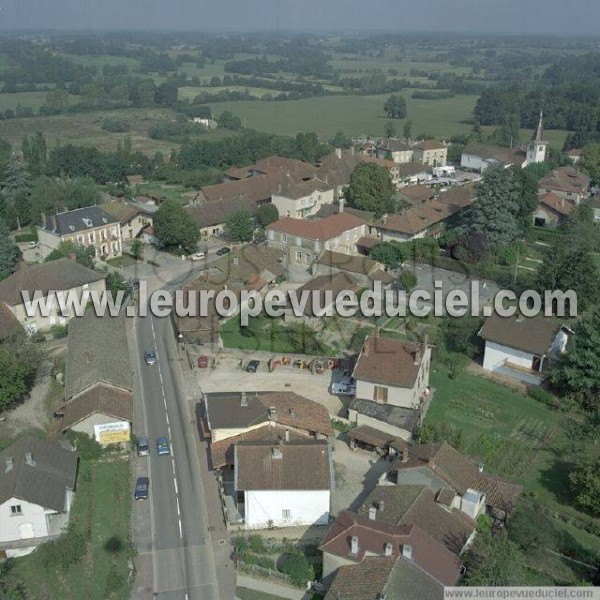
pixel 392 372
pixel 283 484
pixel 520 347
pixel 302 199
pixel 37 483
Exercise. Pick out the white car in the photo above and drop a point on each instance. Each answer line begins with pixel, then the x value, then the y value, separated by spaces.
pixel 197 256
pixel 345 387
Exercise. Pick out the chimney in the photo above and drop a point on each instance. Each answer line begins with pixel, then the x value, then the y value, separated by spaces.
pixel 387 550
pixel 405 454
pixel 481 467
pixel 372 513
pixel 287 435
pixel 53 219
pixel 29 459
pixel 381 506
pixel 244 399
pixel 417 356
pixel 341 208
pixel 384 219
pixel 292 412
pixel 354 547
pixel 10 463
pixel 338 153
pixel 44 224
pixel 276 453
pixel 272 413
pixel 407 551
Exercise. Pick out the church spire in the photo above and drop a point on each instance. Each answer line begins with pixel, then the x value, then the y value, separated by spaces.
pixel 539 132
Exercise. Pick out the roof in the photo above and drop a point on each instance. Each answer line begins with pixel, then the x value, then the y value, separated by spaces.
pixel 58 275
pixel 384 276
pixel 529 334
pixel 394 145
pixel 221 451
pixel 301 189
pixel 346 262
pixel 292 167
pixel 382 162
pixel 331 209
pixel 100 399
pixel 557 204
pixel 134 179
pixel 44 482
pixel 460 473
pixel 216 212
pixel 330 282
pixel 430 145
pixel 538 134
pixel 319 229
pixel 122 211
pixel 565 179
pixel 256 189
pixel 9 324
pixel 390 362
pixel 368 242
pixel 297 465
pixel 500 154
pixel 427 554
pixel 80 219
pixel 336 170
pixel 417 505
pixel 412 168
pixel 418 194
pixel 225 411
pixel 371 436
pixel 398 416
pixel 97 352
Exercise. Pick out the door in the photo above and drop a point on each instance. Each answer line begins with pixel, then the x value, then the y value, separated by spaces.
pixel 26 531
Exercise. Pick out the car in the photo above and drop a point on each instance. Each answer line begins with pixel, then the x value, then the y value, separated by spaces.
pixel 142 446
pixel 150 357
pixel 222 251
pixel 142 487
pixel 197 256
pixel 202 362
pixel 162 446
pixel 32 244
pixel 252 366
pixel 346 386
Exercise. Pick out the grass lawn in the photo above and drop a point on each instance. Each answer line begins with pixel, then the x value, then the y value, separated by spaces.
pixel 353 114
pixel 103 59
pixel 232 338
pixel 122 261
pixel 246 594
pixel 102 503
pixel 33 100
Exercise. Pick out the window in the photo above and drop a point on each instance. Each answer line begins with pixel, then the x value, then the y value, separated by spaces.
pixel 80 240
pixel 92 238
pixel 380 394
pixel 15 510
pixel 103 235
pixel 286 514
pixel 284 238
pixel 298 255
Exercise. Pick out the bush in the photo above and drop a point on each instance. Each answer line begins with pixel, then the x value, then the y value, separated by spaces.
pixel 407 280
pixel 260 561
pixel 58 331
pixel 87 447
pixel 68 549
pixel 256 543
pixel 297 568
pixel 542 396
pixel 115 125
pixel 484 523
pixel 240 544
pixel 341 425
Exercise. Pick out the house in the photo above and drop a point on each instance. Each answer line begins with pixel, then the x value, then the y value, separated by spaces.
pixel 99 382
pixel 148 236
pixel 302 199
pixel 132 218
pixel 210 216
pixel 552 210
pixel 566 182
pixel 324 289
pixel 456 481
pixel 431 152
pixel 575 155
pixel 395 150
pixel 232 417
pixel 363 269
pixel 63 276
pixel 392 372
pixel 389 165
pixel 37 485
pixel 354 538
pixel 417 195
pixel 292 168
pixel 304 240
pixel 208 123
pixel 413 173
pixel 393 422
pixel 134 180
pixel 477 156
pixel 336 169
pixel 521 347
pixel 89 226
pixel 284 484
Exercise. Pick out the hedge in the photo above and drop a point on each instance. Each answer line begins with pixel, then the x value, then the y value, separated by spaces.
pixel 26 237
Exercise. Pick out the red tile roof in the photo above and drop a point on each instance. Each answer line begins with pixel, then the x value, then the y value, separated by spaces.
pixel 557 204
pixel 565 179
pixel 321 229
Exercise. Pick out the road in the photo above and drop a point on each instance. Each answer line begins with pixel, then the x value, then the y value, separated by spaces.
pixel 175 515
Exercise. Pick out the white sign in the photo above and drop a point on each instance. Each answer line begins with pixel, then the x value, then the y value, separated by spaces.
pixel 112 433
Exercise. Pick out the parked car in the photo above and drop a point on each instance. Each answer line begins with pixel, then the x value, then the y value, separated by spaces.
pixel 32 244
pixel 142 446
pixel 150 357
pixel 142 487
pixel 252 366
pixel 197 256
pixel 346 386
pixel 222 251
pixel 162 446
pixel 202 362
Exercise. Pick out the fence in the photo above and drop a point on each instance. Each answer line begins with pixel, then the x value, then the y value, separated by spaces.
pixel 264 573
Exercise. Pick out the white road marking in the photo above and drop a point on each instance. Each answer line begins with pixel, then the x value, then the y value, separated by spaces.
pixel 167 415
pixel 177 500
pixel 180 529
pixel 176 491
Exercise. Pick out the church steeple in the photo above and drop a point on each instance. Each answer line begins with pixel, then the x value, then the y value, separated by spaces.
pixel 536 148
pixel 538 136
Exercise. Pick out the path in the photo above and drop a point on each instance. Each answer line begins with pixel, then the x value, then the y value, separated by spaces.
pixel 269 587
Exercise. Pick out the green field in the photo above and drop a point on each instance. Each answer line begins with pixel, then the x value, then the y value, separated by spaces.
pixel 32 99
pixel 355 115
pixel 102 503
pixel 103 59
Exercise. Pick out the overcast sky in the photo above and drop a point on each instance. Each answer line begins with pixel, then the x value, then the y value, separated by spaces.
pixel 489 16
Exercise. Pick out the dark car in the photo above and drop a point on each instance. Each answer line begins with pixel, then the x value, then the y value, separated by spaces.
pixel 150 357
pixel 223 250
pixel 142 487
pixel 162 446
pixel 142 446
pixel 252 366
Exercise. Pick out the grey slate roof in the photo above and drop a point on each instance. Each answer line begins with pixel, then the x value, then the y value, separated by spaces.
pixel 405 418
pixel 58 275
pixel 80 219
pixel 43 482
pixel 97 353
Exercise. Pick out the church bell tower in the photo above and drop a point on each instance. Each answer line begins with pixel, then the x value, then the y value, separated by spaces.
pixel 536 148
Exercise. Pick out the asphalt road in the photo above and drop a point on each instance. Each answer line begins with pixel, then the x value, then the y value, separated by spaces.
pixel 176 531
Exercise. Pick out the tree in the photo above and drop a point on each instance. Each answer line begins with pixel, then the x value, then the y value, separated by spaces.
pixel 531 529
pixel 19 360
pixel 166 94
pixel 407 280
pixel 591 162
pixel 578 370
pixel 389 129
pixel 395 107
pixel 137 249
pixel 371 189
pixel 303 339
pixel 341 140
pixel 494 216
pixel 174 227
pixel 83 255
pixel 10 254
pixel 407 130
pixel 56 101
pixel 461 335
pixel 35 153
pixel 267 214
pixel 229 121
pixel 389 254
pixel 585 485
pixel 239 227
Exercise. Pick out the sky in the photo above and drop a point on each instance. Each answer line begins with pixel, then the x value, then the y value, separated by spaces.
pixel 578 17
